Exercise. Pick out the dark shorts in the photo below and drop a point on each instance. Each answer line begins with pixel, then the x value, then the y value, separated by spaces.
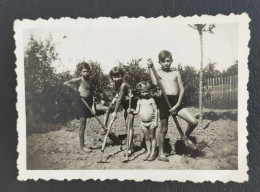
pixel 83 110
pixel 164 109
pixel 125 105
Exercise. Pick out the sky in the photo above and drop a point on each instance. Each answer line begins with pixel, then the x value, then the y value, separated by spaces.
pixel 112 42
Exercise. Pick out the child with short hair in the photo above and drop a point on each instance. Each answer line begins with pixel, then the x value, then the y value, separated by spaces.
pixel 85 90
pixel 172 83
pixel 147 110
pixel 122 88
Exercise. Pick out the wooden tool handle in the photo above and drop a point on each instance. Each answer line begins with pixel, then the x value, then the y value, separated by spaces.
pixel 128 124
pixel 105 138
pixel 161 86
pixel 92 112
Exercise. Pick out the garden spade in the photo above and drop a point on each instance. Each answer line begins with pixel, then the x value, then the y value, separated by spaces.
pixel 188 143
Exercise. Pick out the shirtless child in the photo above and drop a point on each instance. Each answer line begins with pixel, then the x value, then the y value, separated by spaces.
pixel 147 110
pixel 122 88
pixel 172 83
pixel 85 89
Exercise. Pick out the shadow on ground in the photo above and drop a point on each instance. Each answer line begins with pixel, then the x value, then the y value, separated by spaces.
pixel 213 116
pixel 181 149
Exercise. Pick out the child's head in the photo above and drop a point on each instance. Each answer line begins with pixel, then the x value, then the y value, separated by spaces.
pixel 143 88
pixel 116 73
pixel 84 69
pixel 165 59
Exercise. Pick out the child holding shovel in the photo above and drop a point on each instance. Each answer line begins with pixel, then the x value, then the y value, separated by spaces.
pixel 85 90
pixel 122 88
pixel 173 86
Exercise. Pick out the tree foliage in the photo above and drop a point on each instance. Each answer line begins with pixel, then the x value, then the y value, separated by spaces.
pixel 136 73
pixel 233 70
pixel 190 78
pixel 39 80
pixel 47 99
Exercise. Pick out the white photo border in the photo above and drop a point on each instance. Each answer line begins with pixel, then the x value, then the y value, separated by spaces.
pixel 239 175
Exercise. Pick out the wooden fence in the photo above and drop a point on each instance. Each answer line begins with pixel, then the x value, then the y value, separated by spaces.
pixel 221 88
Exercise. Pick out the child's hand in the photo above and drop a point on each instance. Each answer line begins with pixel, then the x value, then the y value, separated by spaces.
pixel 174 109
pixel 130 110
pixel 94 108
pixel 149 63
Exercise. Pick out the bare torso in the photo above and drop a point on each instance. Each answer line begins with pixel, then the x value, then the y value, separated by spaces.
pixel 146 112
pixel 169 81
pixel 85 88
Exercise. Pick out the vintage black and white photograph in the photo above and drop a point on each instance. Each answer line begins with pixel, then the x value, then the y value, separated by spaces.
pixel 159 98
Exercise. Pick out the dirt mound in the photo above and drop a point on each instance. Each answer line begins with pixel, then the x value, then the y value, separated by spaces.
pixel 217 142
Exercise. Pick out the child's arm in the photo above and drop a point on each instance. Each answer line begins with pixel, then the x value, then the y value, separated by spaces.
pixel 136 111
pixel 94 105
pixel 150 71
pixel 181 94
pixel 70 83
pixel 155 109
pixel 120 98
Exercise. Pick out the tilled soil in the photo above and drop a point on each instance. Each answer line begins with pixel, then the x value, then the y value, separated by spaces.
pixel 59 150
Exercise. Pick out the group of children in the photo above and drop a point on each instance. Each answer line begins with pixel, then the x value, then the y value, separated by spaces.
pixel 144 105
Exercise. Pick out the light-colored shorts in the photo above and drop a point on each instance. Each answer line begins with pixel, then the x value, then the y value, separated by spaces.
pixel 147 124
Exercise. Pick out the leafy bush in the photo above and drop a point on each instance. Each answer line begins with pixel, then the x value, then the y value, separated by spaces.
pixel 136 73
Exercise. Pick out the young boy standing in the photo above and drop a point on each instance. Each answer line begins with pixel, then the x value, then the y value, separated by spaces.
pixel 147 110
pixel 86 92
pixel 172 83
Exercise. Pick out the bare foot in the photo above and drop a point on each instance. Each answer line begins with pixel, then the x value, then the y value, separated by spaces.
pixel 86 149
pixel 103 131
pixel 146 156
pixel 163 158
pixel 152 157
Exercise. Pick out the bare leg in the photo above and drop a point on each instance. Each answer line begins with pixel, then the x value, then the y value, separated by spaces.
pixel 106 110
pixel 106 116
pixel 130 123
pixel 147 142
pixel 163 132
pixel 153 140
pixel 81 131
pixel 190 119
pixel 81 134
